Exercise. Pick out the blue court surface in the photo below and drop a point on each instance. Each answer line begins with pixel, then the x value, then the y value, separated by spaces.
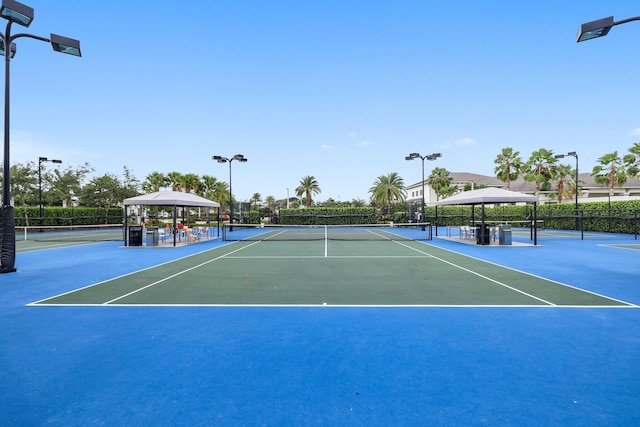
pixel 321 365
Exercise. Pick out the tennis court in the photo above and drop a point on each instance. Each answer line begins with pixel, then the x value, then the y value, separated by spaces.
pixel 415 332
pixel 337 266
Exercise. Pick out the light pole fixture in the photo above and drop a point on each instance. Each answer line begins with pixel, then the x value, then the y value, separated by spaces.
pixel 16 12
pixel 42 160
pixel 573 154
pixel 220 159
pixel 599 28
pixel 428 157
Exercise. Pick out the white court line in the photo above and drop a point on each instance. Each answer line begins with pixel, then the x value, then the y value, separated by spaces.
pixel 122 276
pixel 540 277
pixel 325 256
pixel 323 305
pixel 482 276
pixel 177 274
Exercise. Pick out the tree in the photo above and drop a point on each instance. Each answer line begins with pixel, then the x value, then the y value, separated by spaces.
pixel 256 199
pixel 308 186
pixel 540 168
pixel 564 190
pixel 610 172
pixel 221 194
pixel 66 186
pixel 440 181
pixel 271 201
pixel 387 189
pixel 632 161
pixel 102 191
pixel 24 184
pixel 509 166
pixel 207 186
pixel 175 180
pixel 190 182
pixel 130 185
pixel 154 182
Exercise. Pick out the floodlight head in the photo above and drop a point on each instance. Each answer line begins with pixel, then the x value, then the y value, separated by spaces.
pixel 559 156
pixel 408 158
pixel 436 155
pixel 56 161
pixel 414 155
pixel 14 11
pixel 238 157
pixel 216 157
pixel 243 160
pixel 42 159
pixel 572 153
pixel 594 29
pixel 12 49
pixel 65 45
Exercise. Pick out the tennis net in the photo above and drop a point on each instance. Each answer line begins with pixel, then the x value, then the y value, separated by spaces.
pixel 71 233
pixel 355 232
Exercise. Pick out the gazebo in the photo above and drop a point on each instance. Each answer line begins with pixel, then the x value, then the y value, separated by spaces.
pixel 492 195
pixel 173 199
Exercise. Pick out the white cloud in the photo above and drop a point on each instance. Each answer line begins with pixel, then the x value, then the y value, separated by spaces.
pixel 364 143
pixel 465 141
pixel 635 132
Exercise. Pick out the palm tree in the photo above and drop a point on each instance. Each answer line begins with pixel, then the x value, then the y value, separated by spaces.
pixel 561 173
pixel 256 198
pixel 154 182
pixel 387 189
pixel 175 179
pixel 308 186
pixel 208 185
pixel 191 181
pixel 220 193
pixel 540 168
pixel 271 201
pixel 632 161
pixel 509 166
pixel 610 172
pixel 440 181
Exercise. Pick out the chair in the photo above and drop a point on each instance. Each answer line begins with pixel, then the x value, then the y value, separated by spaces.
pixel 190 233
pixel 203 232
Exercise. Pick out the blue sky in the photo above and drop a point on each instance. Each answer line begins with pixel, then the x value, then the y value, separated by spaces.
pixel 338 89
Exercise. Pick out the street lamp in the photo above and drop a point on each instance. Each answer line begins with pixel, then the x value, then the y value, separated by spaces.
pixel 21 14
pixel 428 157
pixel 42 160
pixel 573 154
pixel 220 159
pixel 599 28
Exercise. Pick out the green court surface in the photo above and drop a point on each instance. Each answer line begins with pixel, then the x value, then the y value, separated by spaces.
pixel 332 273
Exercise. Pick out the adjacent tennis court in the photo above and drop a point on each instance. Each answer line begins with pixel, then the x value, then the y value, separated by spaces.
pixel 414 331
pixel 336 266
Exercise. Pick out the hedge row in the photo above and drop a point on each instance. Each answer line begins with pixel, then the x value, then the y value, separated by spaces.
pixel 55 215
pixel 328 216
pixel 617 217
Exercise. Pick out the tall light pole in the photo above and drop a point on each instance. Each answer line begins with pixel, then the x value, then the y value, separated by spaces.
pixel 42 160
pixel 573 154
pixel 21 14
pixel 599 28
pixel 220 159
pixel 428 157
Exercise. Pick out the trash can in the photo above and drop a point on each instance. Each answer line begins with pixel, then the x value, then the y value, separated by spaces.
pixel 135 235
pixel 152 236
pixel 504 235
pixel 482 235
